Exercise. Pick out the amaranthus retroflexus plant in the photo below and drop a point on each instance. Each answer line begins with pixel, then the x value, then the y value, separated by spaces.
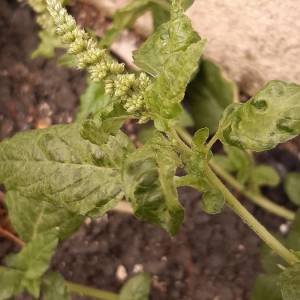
pixel 87 168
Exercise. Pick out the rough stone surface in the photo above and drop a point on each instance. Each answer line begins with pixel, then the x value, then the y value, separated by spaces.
pixel 254 41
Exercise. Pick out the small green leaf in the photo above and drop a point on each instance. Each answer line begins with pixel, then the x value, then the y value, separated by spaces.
pixel 200 138
pixel 209 94
pixel 267 119
pixel 289 283
pixel 34 258
pixel 109 37
pixel 48 43
pixel 172 37
pixel 105 124
pixel 54 287
pixel 92 101
pixel 68 60
pixel 265 288
pixel 145 135
pixel 292 187
pixel 148 183
pixel 11 283
pixel 137 288
pixel 185 4
pixel 33 286
pixel 186 119
pixel 224 162
pixel 41 217
pixel 293 239
pixel 194 181
pixel 195 164
pixel 58 166
pixel 213 201
pixel 264 175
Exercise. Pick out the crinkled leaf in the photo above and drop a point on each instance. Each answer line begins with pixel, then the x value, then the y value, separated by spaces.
pixel 289 283
pixel 265 288
pixel 92 101
pixel 209 94
pixel 105 124
pixel 293 239
pixel 58 166
pixel 137 288
pixel 54 287
pixel 195 164
pixel 49 41
pixel 34 258
pixel 213 201
pixel 270 117
pixel 148 183
pixel 68 60
pixel 165 94
pixel 10 284
pixel 265 175
pixel 172 37
pixel 31 218
pixel 292 187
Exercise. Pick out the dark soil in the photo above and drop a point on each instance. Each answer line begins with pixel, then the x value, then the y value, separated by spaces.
pixel 212 257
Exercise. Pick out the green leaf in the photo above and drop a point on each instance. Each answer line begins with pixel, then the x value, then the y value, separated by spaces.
pixel 165 94
pixel 194 181
pixel 105 124
pixel 209 94
pixel 200 138
pixel 68 60
pixel 109 37
pixel 224 162
pixel 54 287
pixel 186 119
pixel 160 16
pixel 185 4
pixel 172 37
pixel 265 175
pixel 41 217
pixel 289 283
pixel 293 239
pixel 270 259
pixel 92 101
pixel 34 258
pixel 33 286
pixel 11 283
pixel 213 201
pixel 48 43
pixel 137 288
pixel 148 183
pixel 265 288
pixel 267 119
pixel 292 187
pixel 58 166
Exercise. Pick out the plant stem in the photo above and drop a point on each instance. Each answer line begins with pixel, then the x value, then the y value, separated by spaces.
pixel 91 292
pixel 241 211
pixel 212 141
pixel 9 235
pixel 254 197
pixel 83 290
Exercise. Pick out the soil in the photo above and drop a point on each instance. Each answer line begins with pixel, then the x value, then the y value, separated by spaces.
pixel 212 257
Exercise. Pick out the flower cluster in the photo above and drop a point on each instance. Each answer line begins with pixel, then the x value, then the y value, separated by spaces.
pixel 101 66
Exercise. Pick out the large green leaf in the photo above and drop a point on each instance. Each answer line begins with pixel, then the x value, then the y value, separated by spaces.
pixel 148 183
pixel 175 36
pixel 137 288
pixel 209 94
pixel 106 123
pixel 270 117
pixel 34 258
pixel 265 288
pixel 11 283
pixel 159 16
pixel 54 287
pixel 31 218
pixel 58 166
pixel 292 187
pixel 92 101
pixel 289 283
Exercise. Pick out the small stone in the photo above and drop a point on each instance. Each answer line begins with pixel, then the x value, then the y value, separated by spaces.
pixel 121 273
